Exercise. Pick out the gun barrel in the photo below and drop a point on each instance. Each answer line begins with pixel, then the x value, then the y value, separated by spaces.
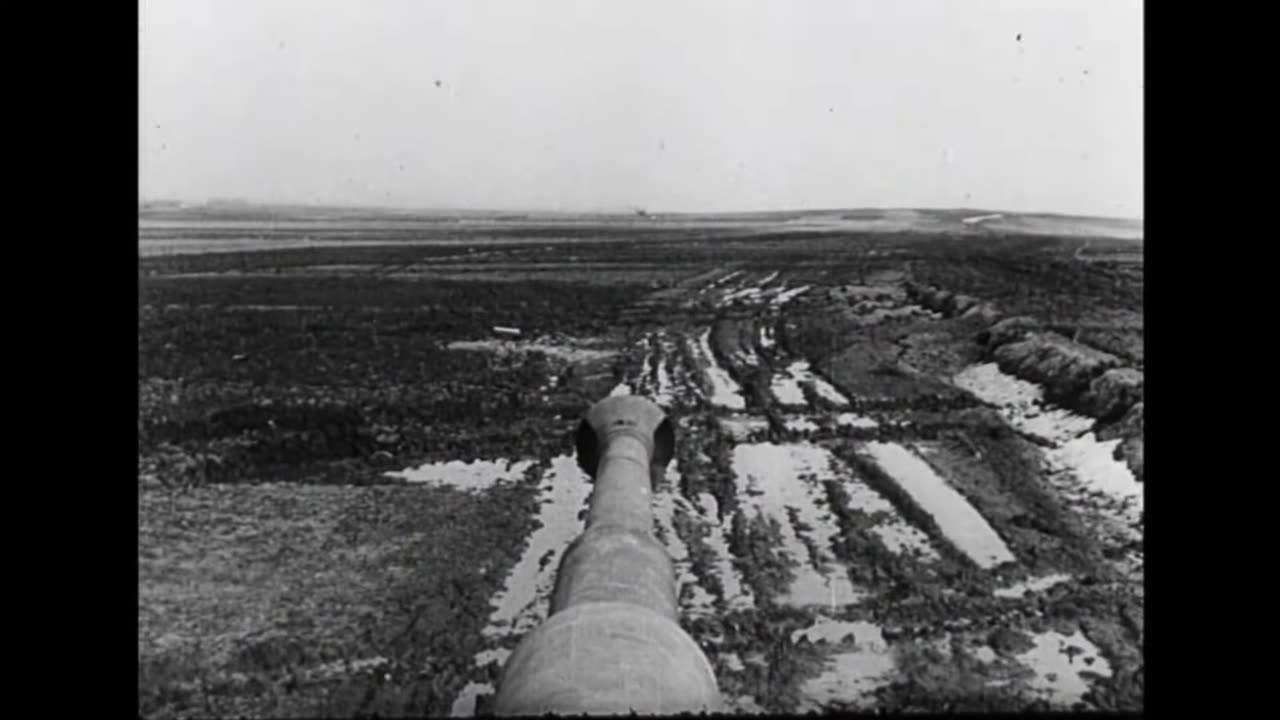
pixel 612 643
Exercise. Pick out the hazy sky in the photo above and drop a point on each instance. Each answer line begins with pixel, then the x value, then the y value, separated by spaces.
pixel 676 106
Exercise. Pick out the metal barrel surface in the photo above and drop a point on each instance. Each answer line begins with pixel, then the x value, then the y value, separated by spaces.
pixel 612 643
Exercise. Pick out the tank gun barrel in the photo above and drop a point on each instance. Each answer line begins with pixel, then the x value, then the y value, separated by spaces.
pixel 612 643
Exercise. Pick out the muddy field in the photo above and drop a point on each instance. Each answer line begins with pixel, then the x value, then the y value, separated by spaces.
pixel 908 476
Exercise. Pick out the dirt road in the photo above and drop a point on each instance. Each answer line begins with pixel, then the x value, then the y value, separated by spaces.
pixel 832 557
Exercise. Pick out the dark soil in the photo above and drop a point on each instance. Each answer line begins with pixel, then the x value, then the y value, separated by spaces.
pixel 282 572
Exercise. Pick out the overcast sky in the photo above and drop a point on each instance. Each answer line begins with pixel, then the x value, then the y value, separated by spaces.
pixel 667 105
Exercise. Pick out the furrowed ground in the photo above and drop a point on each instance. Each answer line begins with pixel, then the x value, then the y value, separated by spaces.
pixel 908 473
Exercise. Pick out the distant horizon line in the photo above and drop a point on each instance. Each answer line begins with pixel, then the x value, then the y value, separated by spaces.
pixel 635 211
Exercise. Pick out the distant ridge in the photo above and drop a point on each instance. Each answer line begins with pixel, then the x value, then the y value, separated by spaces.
pixel 953 222
pixel 301 210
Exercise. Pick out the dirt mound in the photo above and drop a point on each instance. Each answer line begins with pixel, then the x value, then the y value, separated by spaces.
pixel 1065 368
pixel 1130 428
pixel 1129 424
pixel 1075 376
pixel 1113 392
pixel 950 303
pixel 1131 452
pixel 1010 330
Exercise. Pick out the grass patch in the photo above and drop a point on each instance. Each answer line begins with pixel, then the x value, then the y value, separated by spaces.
pixel 249 594
pixel 753 543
